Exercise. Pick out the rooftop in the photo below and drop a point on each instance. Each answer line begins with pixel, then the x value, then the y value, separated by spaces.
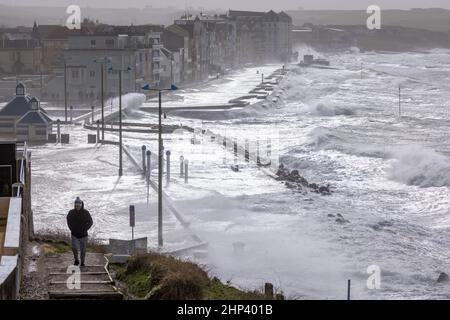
pixel 35 117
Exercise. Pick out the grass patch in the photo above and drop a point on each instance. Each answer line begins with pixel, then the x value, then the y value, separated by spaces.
pixel 154 276
pixel 157 277
pixel 220 291
pixel 61 242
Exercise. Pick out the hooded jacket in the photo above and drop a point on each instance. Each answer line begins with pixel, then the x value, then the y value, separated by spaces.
pixel 79 222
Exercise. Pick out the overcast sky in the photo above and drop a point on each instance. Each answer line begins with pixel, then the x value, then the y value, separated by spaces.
pixel 242 4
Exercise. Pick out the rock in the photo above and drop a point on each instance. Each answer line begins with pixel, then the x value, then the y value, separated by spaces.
pixel 331 215
pixel 340 219
pixel 324 190
pixel 294 176
pixel 314 186
pixel 290 185
pixel 282 172
pixel 294 180
pixel 443 277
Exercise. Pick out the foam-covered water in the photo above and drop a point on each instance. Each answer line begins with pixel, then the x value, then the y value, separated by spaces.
pixel 390 174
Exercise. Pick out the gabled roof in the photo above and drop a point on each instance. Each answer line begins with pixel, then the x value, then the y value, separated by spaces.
pixel 17 107
pixel 284 17
pixel 35 117
pixel 272 16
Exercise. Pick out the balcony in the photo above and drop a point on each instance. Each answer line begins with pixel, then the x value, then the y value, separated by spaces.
pixel 157 46
pixel 157 70
pixel 156 59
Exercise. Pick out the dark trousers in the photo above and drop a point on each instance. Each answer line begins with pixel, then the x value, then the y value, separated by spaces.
pixel 79 244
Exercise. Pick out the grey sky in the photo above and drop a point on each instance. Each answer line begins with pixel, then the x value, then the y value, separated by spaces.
pixel 240 4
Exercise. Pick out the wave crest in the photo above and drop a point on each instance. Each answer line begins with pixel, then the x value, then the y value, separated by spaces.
pixel 421 167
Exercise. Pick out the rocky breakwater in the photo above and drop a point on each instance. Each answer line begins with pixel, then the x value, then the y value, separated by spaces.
pixel 293 180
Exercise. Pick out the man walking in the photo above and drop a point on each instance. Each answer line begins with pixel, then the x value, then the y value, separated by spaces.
pixel 79 221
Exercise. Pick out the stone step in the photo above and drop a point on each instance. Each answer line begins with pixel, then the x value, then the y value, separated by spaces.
pixel 85 295
pixel 84 277
pixel 85 269
pixel 84 286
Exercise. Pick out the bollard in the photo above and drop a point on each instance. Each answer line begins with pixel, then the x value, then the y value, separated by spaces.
pixel 247 153
pixel 149 168
pixel 268 290
pixel 92 114
pixel 225 142
pixel 269 148
pixel 98 131
pixel 71 114
pixel 181 166
pixel 186 171
pixel 258 160
pixel 348 289
pixel 235 148
pixel 65 138
pixel 168 167
pixel 92 139
pixel 58 126
pixel 144 169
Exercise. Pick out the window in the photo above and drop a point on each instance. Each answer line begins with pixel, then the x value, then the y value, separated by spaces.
pixel 92 74
pixel 109 43
pixel 93 43
pixel 75 74
pixel 16 56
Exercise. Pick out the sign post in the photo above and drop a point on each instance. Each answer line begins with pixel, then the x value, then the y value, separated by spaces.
pixel 132 221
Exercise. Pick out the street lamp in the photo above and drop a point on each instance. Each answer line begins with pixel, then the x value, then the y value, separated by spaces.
pixel 120 117
pixel 102 62
pixel 65 87
pixel 147 87
pixel 65 90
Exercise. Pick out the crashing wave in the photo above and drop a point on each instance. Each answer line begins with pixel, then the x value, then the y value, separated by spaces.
pixel 419 166
pixel 322 109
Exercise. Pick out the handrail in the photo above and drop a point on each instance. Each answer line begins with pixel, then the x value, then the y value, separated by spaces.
pixel 20 184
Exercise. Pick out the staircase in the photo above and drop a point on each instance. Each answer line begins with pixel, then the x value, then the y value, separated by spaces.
pixel 96 282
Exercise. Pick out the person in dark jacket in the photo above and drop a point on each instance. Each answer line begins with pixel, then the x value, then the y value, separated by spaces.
pixel 79 221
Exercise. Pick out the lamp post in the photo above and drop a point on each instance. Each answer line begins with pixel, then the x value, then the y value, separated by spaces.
pixel 147 87
pixel 120 118
pixel 102 63
pixel 65 90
